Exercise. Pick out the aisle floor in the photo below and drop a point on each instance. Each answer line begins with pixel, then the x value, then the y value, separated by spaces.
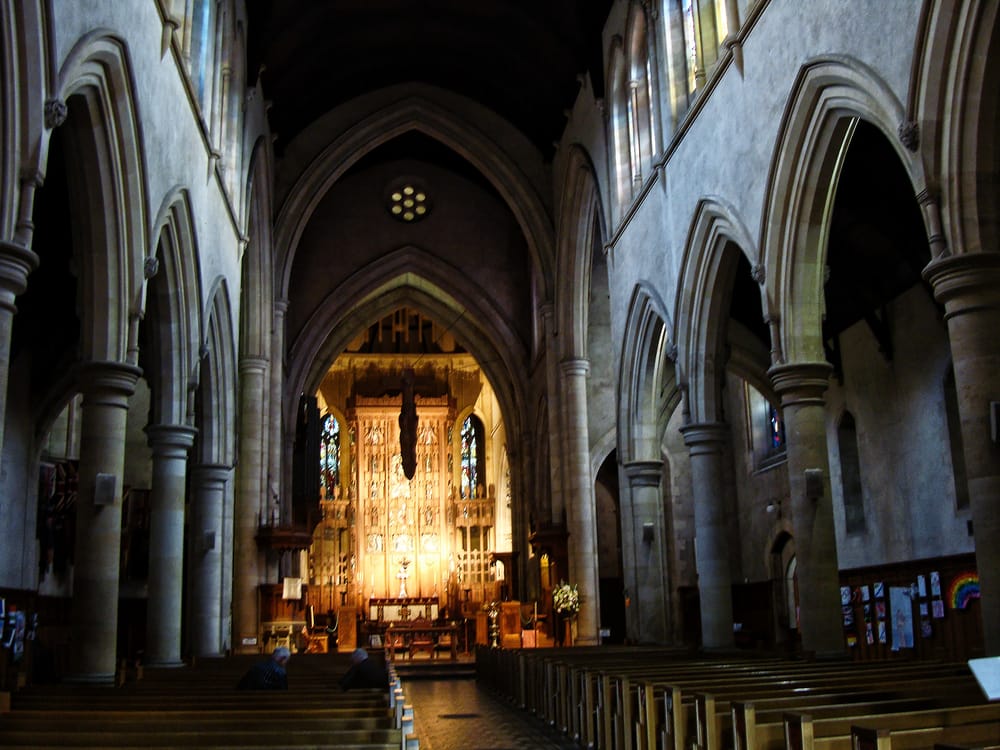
pixel 461 715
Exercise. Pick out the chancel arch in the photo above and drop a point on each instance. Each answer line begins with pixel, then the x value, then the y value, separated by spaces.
pixel 488 144
pixel 424 541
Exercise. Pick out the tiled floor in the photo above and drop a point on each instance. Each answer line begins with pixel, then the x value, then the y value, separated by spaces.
pixel 460 715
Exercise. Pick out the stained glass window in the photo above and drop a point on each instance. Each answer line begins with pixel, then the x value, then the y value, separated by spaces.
pixel 777 429
pixel 329 457
pixel 472 456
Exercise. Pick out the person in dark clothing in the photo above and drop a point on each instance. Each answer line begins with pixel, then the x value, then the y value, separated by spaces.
pixel 268 675
pixel 364 673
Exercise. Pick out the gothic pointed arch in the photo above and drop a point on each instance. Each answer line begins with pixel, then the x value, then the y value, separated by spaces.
pixel 488 143
pixel 217 384
pixel 581 219
pixel 954 105
pixel 171 310
pixel 257 286
pixel 828 97
pixel 31 110
pixel 648 391
pixel 702 309
pixel 108 179
pixel 412 277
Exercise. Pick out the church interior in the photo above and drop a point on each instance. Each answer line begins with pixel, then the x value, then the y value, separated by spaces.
pixel 436 324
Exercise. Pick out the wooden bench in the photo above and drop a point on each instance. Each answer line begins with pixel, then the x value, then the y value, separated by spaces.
pixel 918 729
pixel 200 708
pixel 981 736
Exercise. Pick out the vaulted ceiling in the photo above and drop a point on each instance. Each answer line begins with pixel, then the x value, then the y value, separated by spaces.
pixel 519 58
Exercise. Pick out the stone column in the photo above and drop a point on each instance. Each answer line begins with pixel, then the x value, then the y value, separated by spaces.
pixel 273 420
pixel 580 500
pixel 16 262
pixel 208 488
pixel 170 444
pixel 554 505
pixel 643 553
pixel 706 442
pixel 250 488
pixel 106 387
pixel 801 387
pixel 969 288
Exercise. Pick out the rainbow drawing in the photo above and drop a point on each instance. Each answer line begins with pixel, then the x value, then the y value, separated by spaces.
pixel 963 588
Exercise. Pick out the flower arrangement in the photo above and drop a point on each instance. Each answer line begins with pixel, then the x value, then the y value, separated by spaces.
pixel 565 599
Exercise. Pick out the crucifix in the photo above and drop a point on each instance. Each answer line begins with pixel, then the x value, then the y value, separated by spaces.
pixel 402 575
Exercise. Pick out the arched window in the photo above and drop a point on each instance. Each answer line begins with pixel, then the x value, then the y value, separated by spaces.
pixel 776 428
pixel 680 74
pixel 473 476
pixel 850 475
pixel 329 457
pixel 765 429
pixel 202 48
pixel 618 123
pixel 694 30
pixel 640 122
pixel 955 442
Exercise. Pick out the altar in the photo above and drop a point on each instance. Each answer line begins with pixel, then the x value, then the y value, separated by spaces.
pixel 403 609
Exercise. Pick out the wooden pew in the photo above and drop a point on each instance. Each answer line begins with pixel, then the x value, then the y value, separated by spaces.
pixel 917 729
pixel 200 708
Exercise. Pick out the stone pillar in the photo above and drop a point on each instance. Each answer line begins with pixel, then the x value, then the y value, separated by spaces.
pixel 580 501
pixel 554 505
pixel 250 488
pixel 801 387
pixel 16 262
pixel 643 553
pixel 208 489
pixel 106 387
pixel 170 444
pixel 273 421
pixel 969 288
pixel 706 442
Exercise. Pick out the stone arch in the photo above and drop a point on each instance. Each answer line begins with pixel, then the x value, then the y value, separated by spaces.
pixel 173 293
pixel 97 84
pixel 954 100
pixel 828 97
pixel 409 276
pixel 701 311
pixel 256 288
pixel 648 389
pixel 428 112
pixel 27 73
pixel 217 383
pixel 581 211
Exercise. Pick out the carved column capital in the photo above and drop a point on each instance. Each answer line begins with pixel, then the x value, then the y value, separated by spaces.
pixel 705 437
pixel 170 440
pixel 16 262
pixel 965 282
pixel 572 367
pixel 644 473
pixel 210 475
pixel 801 383
pixel 107 380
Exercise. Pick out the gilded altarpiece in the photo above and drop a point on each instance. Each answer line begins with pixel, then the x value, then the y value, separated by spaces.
pixel 403 544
